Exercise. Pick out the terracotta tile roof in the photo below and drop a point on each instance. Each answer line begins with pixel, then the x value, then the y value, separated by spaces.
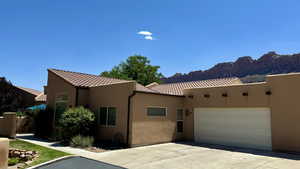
pixel 28 90
pixel 85 80
pixel 41 98
pixel 177 88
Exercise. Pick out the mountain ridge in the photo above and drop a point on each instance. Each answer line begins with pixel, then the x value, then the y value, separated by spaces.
pixel 243 67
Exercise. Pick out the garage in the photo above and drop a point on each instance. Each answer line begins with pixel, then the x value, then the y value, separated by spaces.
pixel 239 127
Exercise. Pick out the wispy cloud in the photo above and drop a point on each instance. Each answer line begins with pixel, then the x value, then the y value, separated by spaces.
pixel 145 33
pixel 148 37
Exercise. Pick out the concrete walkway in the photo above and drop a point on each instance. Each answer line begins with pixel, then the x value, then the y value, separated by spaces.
pixel 54 145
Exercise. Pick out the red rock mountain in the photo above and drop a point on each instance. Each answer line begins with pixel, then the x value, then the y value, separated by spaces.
pixel 270 63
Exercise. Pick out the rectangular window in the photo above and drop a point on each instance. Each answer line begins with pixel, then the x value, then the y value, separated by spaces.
pixel 61 105
pixel 103 116
pixel 107 116
pixel 180 120
pixel 156 111
pixel 112 113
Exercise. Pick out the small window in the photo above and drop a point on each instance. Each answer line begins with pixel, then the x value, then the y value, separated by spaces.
pixel 156 111
pixel 107 116
pixel 179 120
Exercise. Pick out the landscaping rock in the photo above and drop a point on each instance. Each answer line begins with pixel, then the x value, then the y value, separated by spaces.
pixel 22 154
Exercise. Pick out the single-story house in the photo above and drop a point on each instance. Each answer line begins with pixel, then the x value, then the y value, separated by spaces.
pixel 31 97
pixel 219 111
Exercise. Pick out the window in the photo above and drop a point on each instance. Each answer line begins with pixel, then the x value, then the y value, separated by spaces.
pixel 179 121
pixel 156 111
pixel 61 105
pixel 107 116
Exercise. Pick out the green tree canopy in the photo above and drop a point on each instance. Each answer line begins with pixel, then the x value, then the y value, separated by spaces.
pixel 10 99
pixel 137 68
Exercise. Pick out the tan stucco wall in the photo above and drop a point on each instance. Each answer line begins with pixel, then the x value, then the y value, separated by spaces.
pixel 285 109
pixel 8 125
pixel 56 86
pixel 83 97
pixel 28 99
pixel 4 144
pixel 152 130
pixel 115 95
pixel 256 98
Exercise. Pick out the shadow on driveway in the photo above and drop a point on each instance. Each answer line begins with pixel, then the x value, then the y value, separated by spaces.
pixel 77 163
pixel 286 155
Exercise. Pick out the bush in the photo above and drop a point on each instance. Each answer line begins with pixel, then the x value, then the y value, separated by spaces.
pixel 81 141
pixel 76 121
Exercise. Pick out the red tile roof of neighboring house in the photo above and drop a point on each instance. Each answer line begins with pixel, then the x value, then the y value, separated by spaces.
pixel 177 88
pixel 41 98
pixel 31 91
pixel 85 80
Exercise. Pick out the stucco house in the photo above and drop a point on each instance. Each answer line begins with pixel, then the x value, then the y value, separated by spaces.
pixel 30 96
pixel 218 111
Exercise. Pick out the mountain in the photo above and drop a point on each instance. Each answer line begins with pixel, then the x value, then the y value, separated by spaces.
pixel 246 68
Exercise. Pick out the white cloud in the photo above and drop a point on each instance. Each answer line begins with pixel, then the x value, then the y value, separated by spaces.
pixel 145 33
pixel 148 37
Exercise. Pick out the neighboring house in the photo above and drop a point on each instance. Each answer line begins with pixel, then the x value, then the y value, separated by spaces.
pixel 219 111
pixel 31 97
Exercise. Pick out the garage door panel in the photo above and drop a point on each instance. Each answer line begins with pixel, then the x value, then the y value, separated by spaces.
pixel 244 127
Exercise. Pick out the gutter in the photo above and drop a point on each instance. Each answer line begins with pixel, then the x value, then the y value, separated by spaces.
pixel 128 116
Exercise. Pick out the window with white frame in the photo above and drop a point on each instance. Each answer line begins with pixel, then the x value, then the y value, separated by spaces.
pixel 179 121
pixel 156 111
pixel 107 116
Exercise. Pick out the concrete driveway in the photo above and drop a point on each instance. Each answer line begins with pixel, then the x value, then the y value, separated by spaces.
pixel 189 156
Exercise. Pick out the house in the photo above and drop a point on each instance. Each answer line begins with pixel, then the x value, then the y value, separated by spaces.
pixel 30 97
pixel 218 111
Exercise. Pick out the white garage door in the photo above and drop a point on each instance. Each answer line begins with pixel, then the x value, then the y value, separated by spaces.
pixel 241 127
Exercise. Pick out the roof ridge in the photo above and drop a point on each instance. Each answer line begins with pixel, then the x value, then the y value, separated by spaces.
pixel 201 80
pixel 86 74
pixel 29 90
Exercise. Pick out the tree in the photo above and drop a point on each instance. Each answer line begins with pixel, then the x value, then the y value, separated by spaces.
pixel 10 99
pixel 136 68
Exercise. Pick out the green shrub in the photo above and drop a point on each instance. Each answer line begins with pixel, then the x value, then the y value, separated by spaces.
pixel 20 113
pixel 76 121
pixel 81 141
pixel 13 161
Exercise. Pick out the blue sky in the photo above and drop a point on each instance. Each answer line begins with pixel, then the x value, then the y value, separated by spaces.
pixel 94 35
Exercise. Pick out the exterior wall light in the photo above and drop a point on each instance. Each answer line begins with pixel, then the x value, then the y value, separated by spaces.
pixel 206 95
pixel 191 96
pixel 268 92
pixel 245 94
pixel 224 95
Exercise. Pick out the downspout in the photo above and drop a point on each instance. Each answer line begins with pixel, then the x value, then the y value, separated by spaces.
pixel 128 115
pixel 76 96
